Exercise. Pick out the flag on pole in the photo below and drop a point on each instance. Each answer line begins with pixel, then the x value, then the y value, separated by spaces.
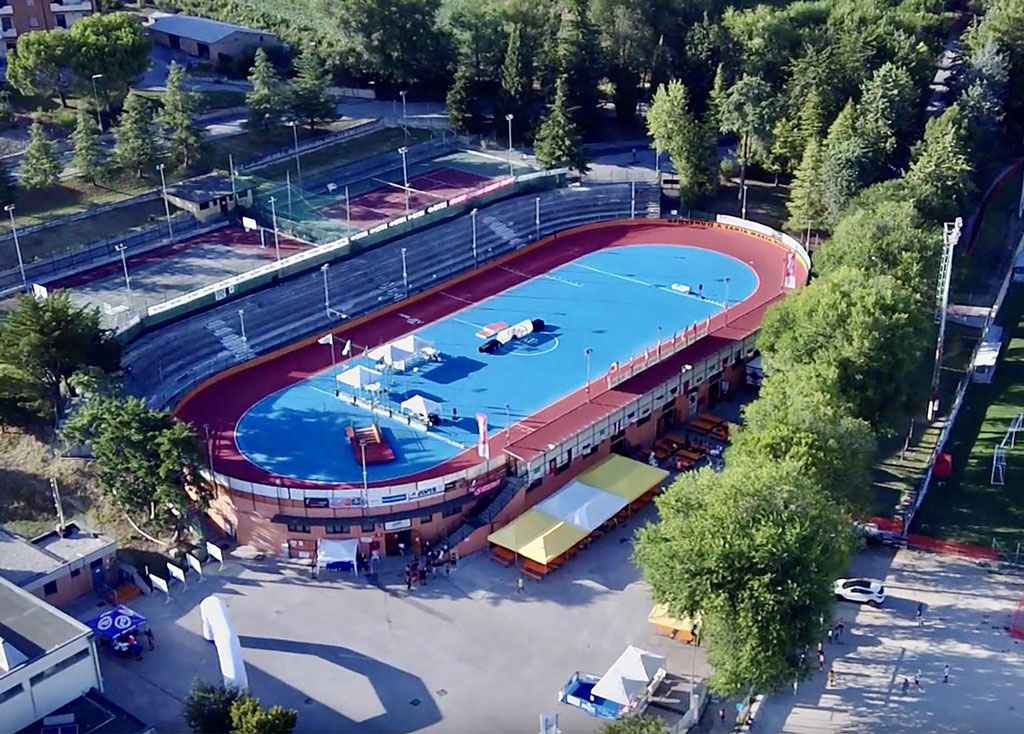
pixel 326 339
pixel 789 278
pixel 347 349
pixel 483 448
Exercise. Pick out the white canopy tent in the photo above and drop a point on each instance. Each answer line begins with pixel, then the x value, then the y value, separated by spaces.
pixel 630 676
pixel 413 345
pixel 391 355
pixel 421 406
pixel 581 505
pixel 337 551
pixel 359 377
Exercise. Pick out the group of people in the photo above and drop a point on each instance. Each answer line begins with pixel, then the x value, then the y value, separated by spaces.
pixel 429 563
pixel 128 645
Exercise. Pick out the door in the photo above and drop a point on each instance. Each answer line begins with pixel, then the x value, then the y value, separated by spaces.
pixel 99 578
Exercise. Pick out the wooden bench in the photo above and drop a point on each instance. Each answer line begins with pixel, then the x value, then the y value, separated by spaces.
pixel 693 456
pixel 713 419
pixel 536 571
pixel 503 556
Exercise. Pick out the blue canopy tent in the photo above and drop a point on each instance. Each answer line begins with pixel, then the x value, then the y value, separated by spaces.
pixel 116 622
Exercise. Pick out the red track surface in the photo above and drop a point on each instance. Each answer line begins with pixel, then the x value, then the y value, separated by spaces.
pixel 233 237
pixel 219 404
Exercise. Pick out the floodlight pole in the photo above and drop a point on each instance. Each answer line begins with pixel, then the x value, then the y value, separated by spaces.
pixel 348 214
pixel 588 351
pixel 405 176
pixel 362 451
pixel 295 133
pixel 950 237
pixel 96 99
pixel 405 274
pixel 167 206
pixel 241 322
pixel 743 207
pixel 231 172
pixel 17 246
pixel 536 218
pixel 509 117
pixel 472 215
pixel 632 199
pixel 273 216
pixel 327 292
pixel 127 281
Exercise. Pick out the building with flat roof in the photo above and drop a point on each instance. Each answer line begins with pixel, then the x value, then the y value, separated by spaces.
pixel 210 196
pixel 60 566
pixel 18 17
pixel 206 38
pixel 47 659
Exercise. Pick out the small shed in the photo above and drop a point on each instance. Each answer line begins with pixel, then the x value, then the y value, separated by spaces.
pixel 210 196
pixel 206 38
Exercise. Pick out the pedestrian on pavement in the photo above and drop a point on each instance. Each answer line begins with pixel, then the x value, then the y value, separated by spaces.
pixel 832 678
pixel 408 578
pixel 152 643
pixel 830 635
pixel 905 686
pixel 520 585
pixel 945 673
pixel 839 629
pixel 821 647
pixel 821 661
pixel 721 714
pixel 917 680
pixel 920 614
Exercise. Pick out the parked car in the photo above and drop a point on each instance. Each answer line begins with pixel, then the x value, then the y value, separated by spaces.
pixel 861 591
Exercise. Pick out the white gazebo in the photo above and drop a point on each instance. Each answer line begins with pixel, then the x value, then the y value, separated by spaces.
pixel 421 406
pixel 359 377
pixel 414 345
pixel 392 355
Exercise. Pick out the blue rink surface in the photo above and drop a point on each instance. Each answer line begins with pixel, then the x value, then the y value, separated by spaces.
pixel 611 301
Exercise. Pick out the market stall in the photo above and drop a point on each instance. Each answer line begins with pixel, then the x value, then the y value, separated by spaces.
pixel 624 690
pixel 337 554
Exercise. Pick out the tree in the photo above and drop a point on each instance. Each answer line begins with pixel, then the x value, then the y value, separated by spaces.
pixel 269 97
pixel 1003 24
pixel 558 142
pixel 846 162
pixel 628 41
pixel 580 64
pixel 869 329
pixel 462 100
pixel 674 130
pixel 115 45
pixel 941 174
pixel 806 205
pixel 143 458
pixel 310 99
pixel 516 95
pixel 985 90
pixel 748 110
pixel 41 64
pixel 248 717
pixel 643 724
pixel 799 417
pixel 887 114
pixel 45 342
pixel 178 117
pixel 765 38
pixel 476 26
pixel 134 144
pixel 754 551
pixel 40 169
pixel 208 707
pixel 89 158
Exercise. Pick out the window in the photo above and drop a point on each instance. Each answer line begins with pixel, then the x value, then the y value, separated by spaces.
pixel 298 527
pixel 62 22
pixel 95 565
pixel 11 693
pixel 76 572
pixel 336 528
pixel 424 519
pixel 643 420
pixel 30 3
pixel 367 527
pixel 6 23
pixel 451 511
pixel 204 205
pixel 54 669
pixel 50 588
pixel 10 45
pixel 33 22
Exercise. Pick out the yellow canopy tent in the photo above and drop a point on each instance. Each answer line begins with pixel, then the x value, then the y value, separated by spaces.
pixel 624 477
pixel 530 525
pixel 553 543
pixel 680 628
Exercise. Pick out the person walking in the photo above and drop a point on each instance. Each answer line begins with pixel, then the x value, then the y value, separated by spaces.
pixel 917 680
pixel 906 686
pixel 945 673
pixel 920 614
pixel 830 635
pixel 152 642
pixel 821 647
pixel 408 578
pixel 839 629
pixel 821 661
pixel 832 678
pixel 721 714
pixel 520 585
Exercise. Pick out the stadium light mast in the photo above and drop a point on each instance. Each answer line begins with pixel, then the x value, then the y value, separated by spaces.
pixel 536 218
pixel 273 216
pixel 405 274
pixel 950 237
pixel 167 206
pixel 294 125
pixel 509 117
pixel 405 176
pixel 472 215
pixel 327 292
pixel 17 246
pixel 127 281
pixel 587 352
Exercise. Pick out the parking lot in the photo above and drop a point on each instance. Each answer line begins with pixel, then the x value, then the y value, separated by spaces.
pixel 463 654
pixel 967 612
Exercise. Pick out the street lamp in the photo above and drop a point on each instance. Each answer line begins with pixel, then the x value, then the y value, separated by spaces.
pixel 362 451
pixel 726 280
pixel 536 219
pixel 659 342
pixel 743 207
pixel 588 351
pixel 96 99
pixel 405 176
pixel 273 217
pixel 241 321
pixel 167 206
pixel 405 274
pixel 295 133
pixel 509 117
pixel 127 281
pixel 327 292
pixel 17 246
pixel 472 215
pixel 403 93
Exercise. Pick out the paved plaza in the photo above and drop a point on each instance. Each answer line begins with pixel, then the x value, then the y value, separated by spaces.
pixel 967 610
pixel 463 654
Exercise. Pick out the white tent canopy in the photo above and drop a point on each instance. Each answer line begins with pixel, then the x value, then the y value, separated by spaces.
pixel 391 354
pixel 412 344
pixel 421 406
pixel 581 505
pixel 337 551
pixel 359 377
pixel 630 675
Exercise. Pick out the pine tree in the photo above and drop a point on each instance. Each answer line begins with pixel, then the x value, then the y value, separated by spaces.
pixel 40 168
pixel 461 101
pixel 806 210
pixel 310 100
pixel 558 142
pixel 89 157
pixel 134 143
pixel 515 95
pixel 178 116
pixel 579 49
pixel 269 96
pixel 690 145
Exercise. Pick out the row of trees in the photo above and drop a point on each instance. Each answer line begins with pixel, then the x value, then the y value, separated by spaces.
pixel 754 549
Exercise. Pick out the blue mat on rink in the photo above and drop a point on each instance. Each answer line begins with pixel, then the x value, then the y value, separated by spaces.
pixel 611 301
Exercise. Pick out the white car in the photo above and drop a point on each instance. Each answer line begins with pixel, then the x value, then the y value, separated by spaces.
pixel 862 591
